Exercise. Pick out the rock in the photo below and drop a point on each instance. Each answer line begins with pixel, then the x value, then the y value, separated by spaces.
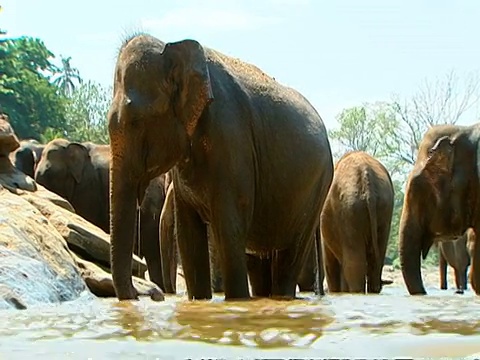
pixel 84 238
pixel 35 263
pixel 8 140
pixel 100 282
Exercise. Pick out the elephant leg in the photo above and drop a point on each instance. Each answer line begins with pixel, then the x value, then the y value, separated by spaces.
pixel 443 270
pixel 215 271
pixel 375 266
pixel 192 244
pixel 287 265
pixel 150 247
pixel 168 243
pixel 260 274
pixel 333 271
pixel 460 280
pixel 354 268
pixel 343 283
pixel 306 280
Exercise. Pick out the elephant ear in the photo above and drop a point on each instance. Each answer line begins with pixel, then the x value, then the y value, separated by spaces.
pixel 187 65
pixel 438 167
pixel 77 156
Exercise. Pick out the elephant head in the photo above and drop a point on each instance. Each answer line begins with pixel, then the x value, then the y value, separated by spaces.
pixel 160 92
pixel 62 167
pixel 27 156
pixel 440 197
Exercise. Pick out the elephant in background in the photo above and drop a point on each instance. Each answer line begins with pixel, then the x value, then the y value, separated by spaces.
pixel 455 254
pixel 355 224
pixel 474 252
pixel 27 156
pixel 80 173
pixel 210 119
pixel 441 198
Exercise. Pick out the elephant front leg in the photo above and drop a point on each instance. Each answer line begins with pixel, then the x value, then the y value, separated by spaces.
pixel 192 244
pixel 460 280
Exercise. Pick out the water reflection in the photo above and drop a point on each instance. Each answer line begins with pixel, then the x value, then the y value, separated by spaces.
pixel 340 325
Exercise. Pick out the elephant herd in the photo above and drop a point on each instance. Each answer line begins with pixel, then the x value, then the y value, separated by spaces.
pixel 215 164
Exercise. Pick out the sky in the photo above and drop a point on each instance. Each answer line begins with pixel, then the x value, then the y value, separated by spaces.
pixel 338 53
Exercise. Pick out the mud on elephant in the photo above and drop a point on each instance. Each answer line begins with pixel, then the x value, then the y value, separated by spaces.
pixel 355 224
pixel 441 199
pixel 455 254
pixel 209 118
pixel 80 173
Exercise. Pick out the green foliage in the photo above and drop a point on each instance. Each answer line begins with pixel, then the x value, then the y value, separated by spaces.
pixel 26 94
pixel 86 113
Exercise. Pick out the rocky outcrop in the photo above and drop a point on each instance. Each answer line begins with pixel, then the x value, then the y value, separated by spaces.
pixel 48 253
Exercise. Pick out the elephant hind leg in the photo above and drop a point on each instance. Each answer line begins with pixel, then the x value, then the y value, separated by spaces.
pixel 260 275
pixel 333 271
pixel 354 269
pixel 461 280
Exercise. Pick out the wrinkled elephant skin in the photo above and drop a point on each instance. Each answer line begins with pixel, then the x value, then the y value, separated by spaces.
pixel 235 141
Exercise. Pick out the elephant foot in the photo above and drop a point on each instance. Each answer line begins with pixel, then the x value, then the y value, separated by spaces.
pixel 459 291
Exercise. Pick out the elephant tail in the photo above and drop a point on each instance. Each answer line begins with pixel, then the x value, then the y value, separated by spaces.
pixel 372 212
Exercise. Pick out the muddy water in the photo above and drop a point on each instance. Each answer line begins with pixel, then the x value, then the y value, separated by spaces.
pixel 392 324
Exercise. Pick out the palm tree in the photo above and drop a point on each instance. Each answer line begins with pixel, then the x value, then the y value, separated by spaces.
pixel 66 77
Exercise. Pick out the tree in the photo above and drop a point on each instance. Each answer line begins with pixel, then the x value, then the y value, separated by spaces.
pixel 66 76
pixel 86 114
pixel 443 101
pixel 26 94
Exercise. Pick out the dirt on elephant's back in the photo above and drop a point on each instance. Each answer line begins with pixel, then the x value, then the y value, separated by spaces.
pixel 392 324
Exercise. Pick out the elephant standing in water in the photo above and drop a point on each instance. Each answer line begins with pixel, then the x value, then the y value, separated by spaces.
pixel 455 254
pixel 248 156
pixel 80 173
pixel 355 224
pixel 27 156
pixel 441 199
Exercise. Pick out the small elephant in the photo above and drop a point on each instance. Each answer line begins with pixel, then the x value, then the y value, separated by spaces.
pixel 27 156
pixel 80 172
pixel 441 198
pixel 455 254
pixel 249 156
pixel 355 224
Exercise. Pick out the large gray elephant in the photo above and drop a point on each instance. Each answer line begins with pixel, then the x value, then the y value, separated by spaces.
pixel 355 224
pixel 455 254
pixel 248 156
pixel 27 156
pixel 441 198
pixel 80 173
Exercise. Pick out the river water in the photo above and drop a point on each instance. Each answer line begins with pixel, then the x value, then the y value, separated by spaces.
pixel 392 324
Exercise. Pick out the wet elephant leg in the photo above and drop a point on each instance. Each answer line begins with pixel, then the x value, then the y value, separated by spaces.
pixel 307 278
pixel 333 271
pixel 354 268
pixel 150 246
pixel 259 273
pixel 215 271
pixel 168 243
pixel 460 280
pixel 192 241
pixel 443 270
pixel 343 282
pixel 375 266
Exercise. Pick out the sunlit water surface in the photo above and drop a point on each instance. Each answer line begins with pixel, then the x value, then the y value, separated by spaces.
pixel 392 324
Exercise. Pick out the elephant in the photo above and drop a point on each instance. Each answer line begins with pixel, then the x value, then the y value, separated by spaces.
pixel 355 224
pixel 441 198
pixel 80 173
pixel 474 252
pixel 27 156
pixel 248 156
pixel 455 254
pixel 306 282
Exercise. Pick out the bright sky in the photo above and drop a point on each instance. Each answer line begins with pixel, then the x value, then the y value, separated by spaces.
pixel 338 53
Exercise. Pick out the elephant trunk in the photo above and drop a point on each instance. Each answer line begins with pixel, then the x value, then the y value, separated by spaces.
pixel 410 248
pixel 123 200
